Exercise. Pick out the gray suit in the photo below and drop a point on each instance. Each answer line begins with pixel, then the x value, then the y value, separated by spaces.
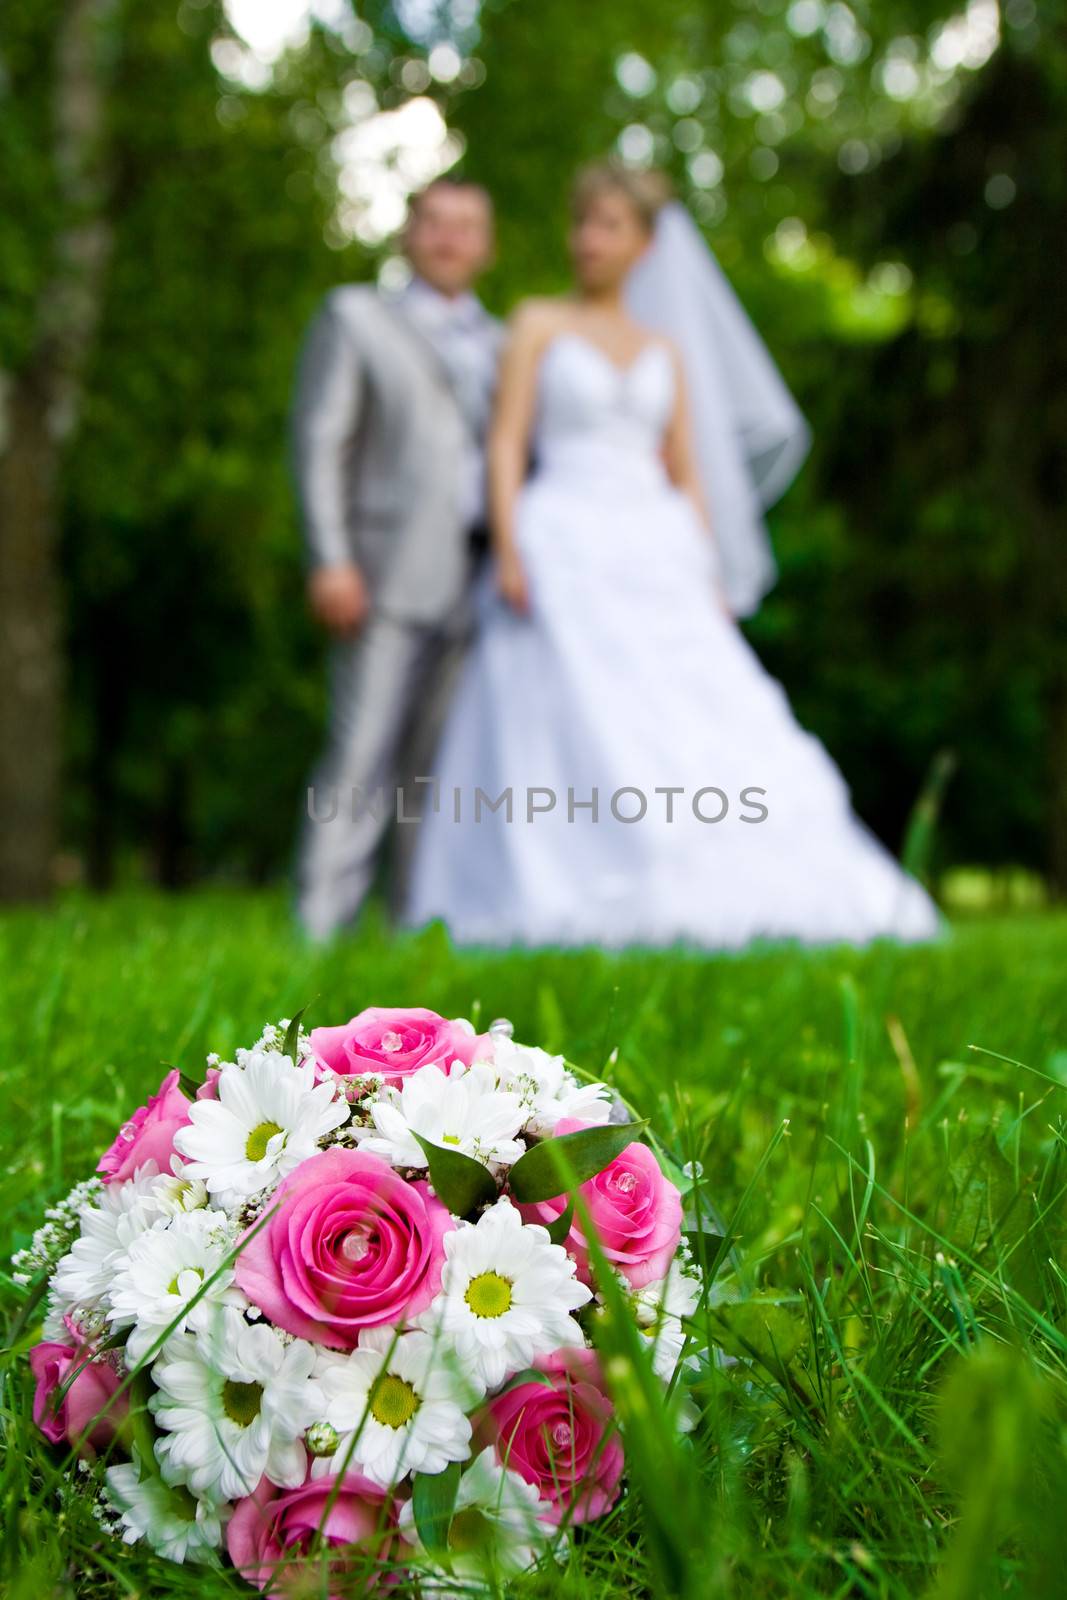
pixel 381 428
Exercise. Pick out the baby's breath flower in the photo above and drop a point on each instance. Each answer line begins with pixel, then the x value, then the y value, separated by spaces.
pixel 52 1240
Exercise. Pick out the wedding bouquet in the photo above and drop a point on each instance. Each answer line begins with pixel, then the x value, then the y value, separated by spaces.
pixel 339 1302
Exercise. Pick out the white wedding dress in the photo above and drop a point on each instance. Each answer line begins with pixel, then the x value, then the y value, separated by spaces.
pixel 626 678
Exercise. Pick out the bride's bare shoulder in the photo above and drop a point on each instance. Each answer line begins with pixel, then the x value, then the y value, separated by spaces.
pixel 533 322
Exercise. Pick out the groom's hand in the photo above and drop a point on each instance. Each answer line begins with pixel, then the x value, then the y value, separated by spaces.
pixel 338 597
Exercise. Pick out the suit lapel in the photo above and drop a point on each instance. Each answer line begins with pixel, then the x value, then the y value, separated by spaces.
pixel 393 305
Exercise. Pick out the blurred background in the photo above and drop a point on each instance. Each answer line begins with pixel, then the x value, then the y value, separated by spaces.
pixel 180 183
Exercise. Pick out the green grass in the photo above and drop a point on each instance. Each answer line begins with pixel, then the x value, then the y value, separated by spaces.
pixel 896 1423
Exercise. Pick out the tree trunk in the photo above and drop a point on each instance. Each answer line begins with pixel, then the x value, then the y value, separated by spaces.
pixel 30 671
pixel 38 413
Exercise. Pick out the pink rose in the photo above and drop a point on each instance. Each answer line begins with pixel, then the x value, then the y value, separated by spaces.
pixel 209 1089
pixel 350 1246
pixel 79 1411
pixel 636 1211
pixel 396 1041
pixel 562 1439
pixel 273 1528
pixel 149 1134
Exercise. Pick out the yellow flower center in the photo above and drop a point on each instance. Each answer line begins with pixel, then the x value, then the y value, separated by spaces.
pixel 489 1295
pixel 240 1401
pixel 258 1140
pixel 392 1401
pixel 174 1287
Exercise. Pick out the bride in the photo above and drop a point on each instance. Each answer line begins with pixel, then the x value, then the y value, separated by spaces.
pixel 617 767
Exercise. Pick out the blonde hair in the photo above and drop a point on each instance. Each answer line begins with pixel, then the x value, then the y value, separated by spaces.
pixel 648 191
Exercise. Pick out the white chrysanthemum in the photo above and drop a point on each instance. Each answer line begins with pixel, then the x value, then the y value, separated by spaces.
pixel 84 1277
pixel 233 1404
pixel 498 1527
pixel 165 1269
pixel 176 1524
pixel 547 1089
pixel 174 1191
pixel 269 1116
pixel 398 1404
pixel 659 1309
pixel 506 1295
pixel 463 1110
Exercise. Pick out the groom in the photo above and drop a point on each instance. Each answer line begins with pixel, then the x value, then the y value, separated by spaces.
pixel 392 406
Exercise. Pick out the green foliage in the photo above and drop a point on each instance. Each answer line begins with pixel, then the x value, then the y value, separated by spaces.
pixel 994 1406
pixel 888 1417
pixel 290 1044
pixel 462 1183
pixel 187 636
pixel 29 201
pixel 434 1498
pixel 559 1164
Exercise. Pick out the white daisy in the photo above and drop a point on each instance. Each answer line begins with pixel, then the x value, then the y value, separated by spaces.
pixel 659 1308
pixel 175 1191
pixel 547 1089
pixel 498 1526
pixel 269 1116
pixel 83 1278
pixel 175 1524
pixel 165 1269
pixel 398 1404
pixel 506 1295
pixel 462 1110
pixel 233 1404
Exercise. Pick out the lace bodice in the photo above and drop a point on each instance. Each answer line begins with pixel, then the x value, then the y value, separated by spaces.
pixel 596 416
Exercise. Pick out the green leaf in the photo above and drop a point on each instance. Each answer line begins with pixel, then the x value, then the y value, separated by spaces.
pixel 433 1500
pixel 762 1329
pixel 186 1082
pixel 461 1183
pixel 541 1174
pixel 709 1249
pixel 137 1428
pixel 558 1230
pixel 292 1036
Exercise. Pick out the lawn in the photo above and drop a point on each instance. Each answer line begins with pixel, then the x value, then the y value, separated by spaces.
pixel 881 1132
